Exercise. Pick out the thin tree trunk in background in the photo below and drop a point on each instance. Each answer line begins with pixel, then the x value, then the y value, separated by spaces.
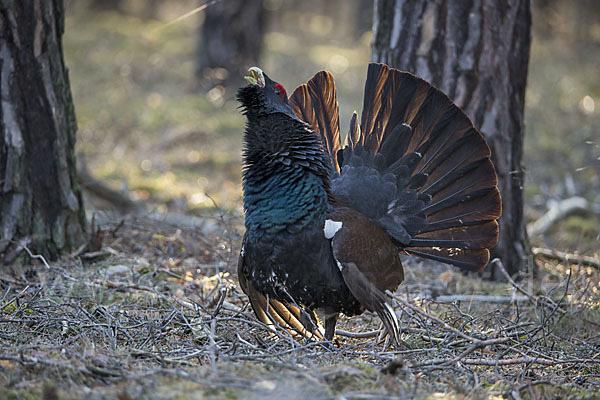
pixel 477 52
pixel 231 39
pixel 40 203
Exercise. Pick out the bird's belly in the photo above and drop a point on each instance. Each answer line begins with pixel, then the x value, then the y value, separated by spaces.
pixel 299 268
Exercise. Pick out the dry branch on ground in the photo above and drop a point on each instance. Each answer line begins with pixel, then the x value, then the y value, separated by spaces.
pixel 162 307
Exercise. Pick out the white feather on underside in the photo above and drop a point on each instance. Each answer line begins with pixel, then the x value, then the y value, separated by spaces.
pixel 331 227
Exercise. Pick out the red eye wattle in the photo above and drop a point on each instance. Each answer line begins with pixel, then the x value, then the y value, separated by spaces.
pixel 280 90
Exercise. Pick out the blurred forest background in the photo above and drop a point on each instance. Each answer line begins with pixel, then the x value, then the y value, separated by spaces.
pixel 160 130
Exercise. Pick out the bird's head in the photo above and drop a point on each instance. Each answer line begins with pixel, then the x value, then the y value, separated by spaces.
pixel 263 96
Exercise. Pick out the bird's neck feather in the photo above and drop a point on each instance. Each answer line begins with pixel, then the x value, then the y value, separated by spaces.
pixel 285 177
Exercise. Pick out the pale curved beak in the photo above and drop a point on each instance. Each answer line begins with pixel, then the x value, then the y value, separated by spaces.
pixel 257 77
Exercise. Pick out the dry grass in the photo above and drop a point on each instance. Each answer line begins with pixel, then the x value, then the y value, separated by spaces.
pixel 158 314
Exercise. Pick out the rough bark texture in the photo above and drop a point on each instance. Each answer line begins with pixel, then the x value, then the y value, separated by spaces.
pixel 231 39
pixel 477 52
pixel 40 202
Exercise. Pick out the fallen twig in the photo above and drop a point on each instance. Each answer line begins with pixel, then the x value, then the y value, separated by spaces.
pixel 432 318
pixel 24 360
pixel 559 210
pixel 357 335
pixel 506 361
pixel 471 298
pixel 119 285
pixel 566 257
pixel 38 256
pixel 104 192
pixel 535 299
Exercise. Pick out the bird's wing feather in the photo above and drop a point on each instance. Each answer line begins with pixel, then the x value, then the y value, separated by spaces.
pixel 369 263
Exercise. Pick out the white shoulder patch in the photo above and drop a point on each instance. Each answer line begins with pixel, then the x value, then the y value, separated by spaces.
pixel 331 227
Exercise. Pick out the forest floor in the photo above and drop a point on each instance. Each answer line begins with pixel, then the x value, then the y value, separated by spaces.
pixel 152 308
pixel 156 313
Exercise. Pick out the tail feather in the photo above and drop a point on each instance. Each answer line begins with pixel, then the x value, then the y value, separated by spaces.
pixel 437 122
pixel 456 158
pixel 471 201
pixel 474 237
pixel 301 103
pixel 470 260
pixel 440 147
pixel 445 202
pixel 422 134
pixel 375 104
pixel 467 183
pixel 315 102
pixel 389 101
pixel 396 142
pixel 353 132
pixel 464 214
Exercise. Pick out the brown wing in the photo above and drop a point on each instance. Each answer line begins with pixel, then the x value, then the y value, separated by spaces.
pixel 369 262
pixel 315 103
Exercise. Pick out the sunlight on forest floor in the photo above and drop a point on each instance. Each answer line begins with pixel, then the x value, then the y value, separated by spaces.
pixel 156 314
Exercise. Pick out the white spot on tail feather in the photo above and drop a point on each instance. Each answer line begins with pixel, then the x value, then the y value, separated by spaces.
pixel 455 251
pixel 331 227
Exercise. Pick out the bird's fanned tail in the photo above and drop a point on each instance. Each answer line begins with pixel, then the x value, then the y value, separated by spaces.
pixel 415 165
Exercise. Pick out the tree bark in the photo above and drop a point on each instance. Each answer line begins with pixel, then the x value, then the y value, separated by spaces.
pixel 477 52
pixel 40 202
pixel 231 39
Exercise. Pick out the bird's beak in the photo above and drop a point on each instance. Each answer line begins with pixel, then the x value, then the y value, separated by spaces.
pixel 257 77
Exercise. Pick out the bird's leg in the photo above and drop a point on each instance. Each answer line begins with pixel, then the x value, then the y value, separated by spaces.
pixel 330 322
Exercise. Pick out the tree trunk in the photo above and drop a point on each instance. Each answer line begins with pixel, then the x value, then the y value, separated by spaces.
pixel 231 39
pixel 40 203
pixel 477 52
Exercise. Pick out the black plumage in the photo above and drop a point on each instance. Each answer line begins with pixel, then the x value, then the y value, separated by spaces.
pixel 325 224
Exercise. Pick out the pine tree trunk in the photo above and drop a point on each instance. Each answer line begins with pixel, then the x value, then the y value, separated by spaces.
pixel 40 203
pixel 477 52
pixel 231 39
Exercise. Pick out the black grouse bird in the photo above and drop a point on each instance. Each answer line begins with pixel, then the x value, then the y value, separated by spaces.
pixel 325 225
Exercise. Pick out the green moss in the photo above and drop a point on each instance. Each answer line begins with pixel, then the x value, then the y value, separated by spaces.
pixel 9 308
pixel 579 324
pixel 567 392
pixel 226 393
pixel 19 394
pixel 584 226
pixel 13 307
pixel 351 377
